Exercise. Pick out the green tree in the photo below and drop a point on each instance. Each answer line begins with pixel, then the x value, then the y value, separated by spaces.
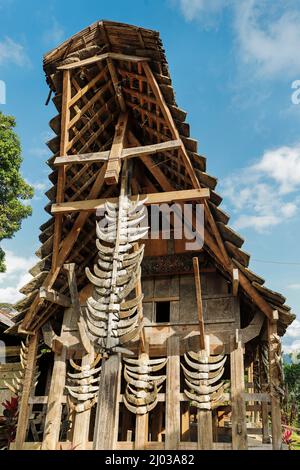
pixel 292 379
pixel 13 188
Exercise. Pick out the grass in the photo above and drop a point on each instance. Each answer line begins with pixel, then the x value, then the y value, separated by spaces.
pixel 296 441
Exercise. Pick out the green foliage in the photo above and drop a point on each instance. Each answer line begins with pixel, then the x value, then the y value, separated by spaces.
pixel 13 188
pixel 292 379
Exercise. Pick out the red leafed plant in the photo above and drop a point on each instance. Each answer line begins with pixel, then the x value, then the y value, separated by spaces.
pixel 9 421
pixel 287 438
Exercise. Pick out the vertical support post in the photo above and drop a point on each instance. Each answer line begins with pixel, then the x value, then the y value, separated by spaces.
pixel 199 302
pixel 274 381
pixel 238 418
pixel 173 394
pixel 104 433
pixel 264 405
pixel 27 389
pixel 204 417
pixel 251 389
pixel 54 408
pixel 64 138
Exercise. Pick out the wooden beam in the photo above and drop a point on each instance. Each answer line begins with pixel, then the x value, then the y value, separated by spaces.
pixel 104 431
pixel 55 297
pixel 199 302
pixel 238 417
pixel 274 341
pixel 152 198
pixel 23 415
pixel 64 138
pixel 114 159
pixel 235 282
pixel 55 399
pixel 99 58
pixel 172 438
pixel 82 91
pixel 116 84
pixel 140 151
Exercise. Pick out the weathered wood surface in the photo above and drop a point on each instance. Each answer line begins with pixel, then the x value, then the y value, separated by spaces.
pixel 106 419
pixel 274 381
pixel 173 395
pixel 238 418
pixel 152 198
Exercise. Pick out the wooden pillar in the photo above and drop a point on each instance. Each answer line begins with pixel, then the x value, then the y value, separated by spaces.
pixel 264 405
pixel 54 408
pixel 141 431
pixel 173 395
pixel 26 392
pixel 274 381
pixel 106 419
pixel 82 420
pixel 205 432
pixel 265 419
pixel 238 415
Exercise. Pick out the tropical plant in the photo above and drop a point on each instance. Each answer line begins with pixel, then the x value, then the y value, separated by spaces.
pixel 13 188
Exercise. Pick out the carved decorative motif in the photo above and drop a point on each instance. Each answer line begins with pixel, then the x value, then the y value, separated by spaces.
pixel 83 385
pixel 111 320
pixel 141 393
pixel 16 385
pixel 202 375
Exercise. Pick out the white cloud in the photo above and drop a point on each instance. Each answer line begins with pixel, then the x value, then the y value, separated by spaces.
pixel 293 330
pixel 283 165
pixel 195 9
pixel 294 286
pixel 293 346
pixel 267 37
pixel 15 277
pixel 13 52
pixel 263 194
pixel 55 34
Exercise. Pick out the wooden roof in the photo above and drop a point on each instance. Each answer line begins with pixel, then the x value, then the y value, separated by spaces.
pixel 108 60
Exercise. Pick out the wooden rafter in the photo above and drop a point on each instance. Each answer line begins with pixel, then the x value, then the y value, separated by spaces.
pixel 139 151
pixel 116 84
pixel 199 302
pixel 114 158
pixel 64 138
pixel 152 198
pixel 99 58
pixel 186 160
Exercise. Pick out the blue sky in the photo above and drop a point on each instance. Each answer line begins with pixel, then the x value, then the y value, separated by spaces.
pixel 233 64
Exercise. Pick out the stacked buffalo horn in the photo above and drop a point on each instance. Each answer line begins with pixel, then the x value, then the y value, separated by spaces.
pixel 202 377
pixel 141 393
pixel 83 386
pixel 16 385
pixel 111 320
